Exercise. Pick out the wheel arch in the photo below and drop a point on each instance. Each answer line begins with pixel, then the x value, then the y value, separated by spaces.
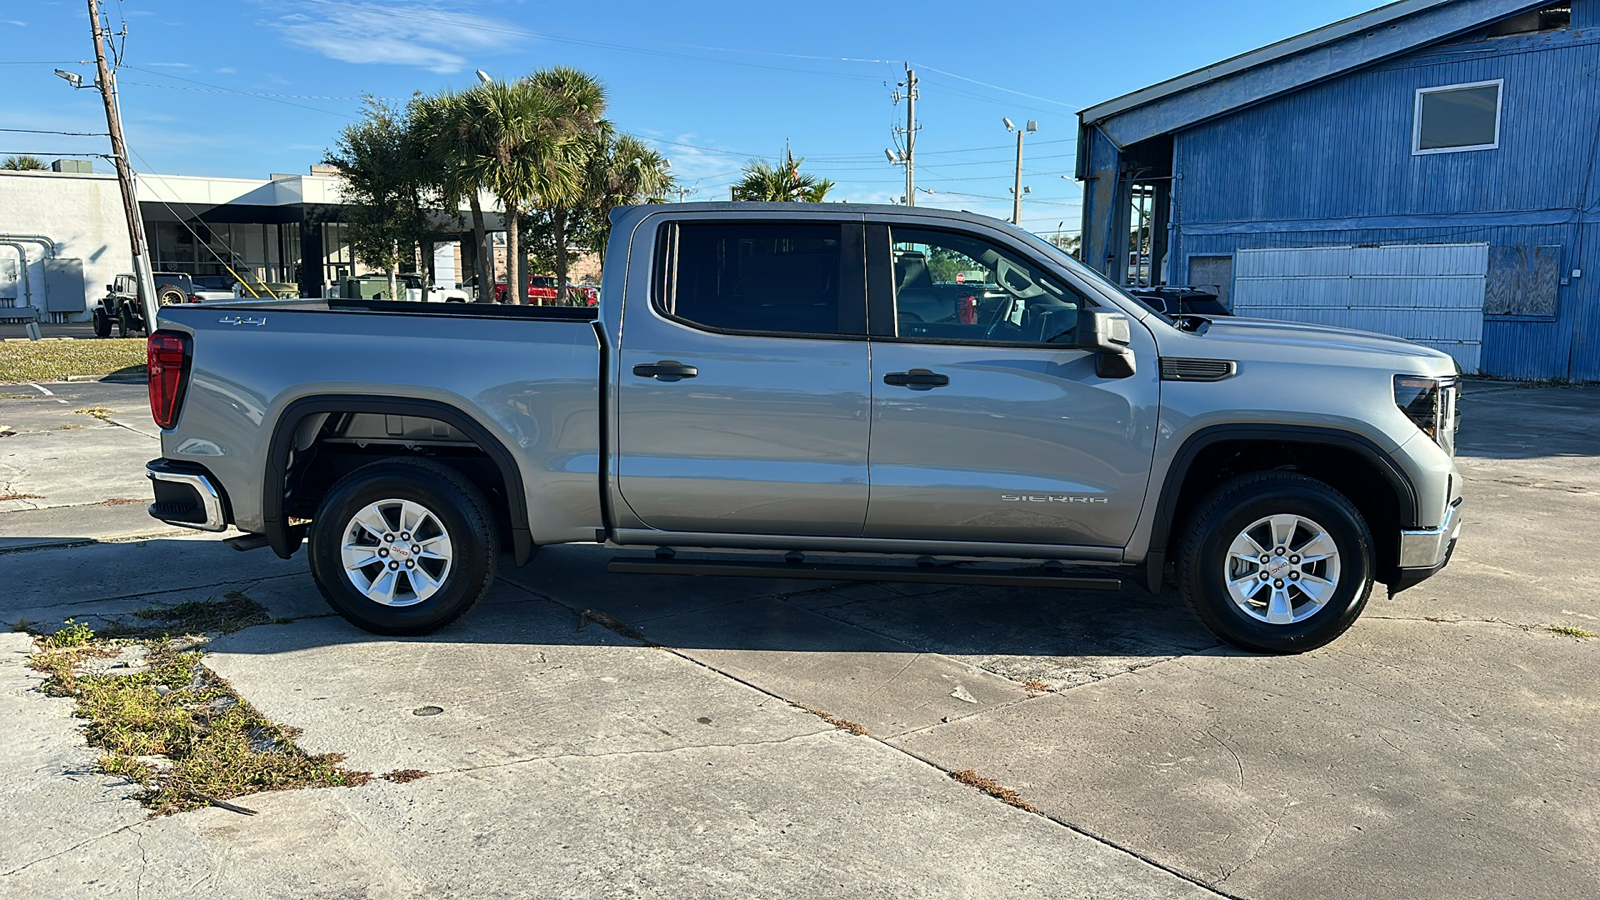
pixel 284 538
pixel 1345 460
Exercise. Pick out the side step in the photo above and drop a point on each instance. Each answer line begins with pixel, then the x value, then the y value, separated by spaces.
pixel 831 572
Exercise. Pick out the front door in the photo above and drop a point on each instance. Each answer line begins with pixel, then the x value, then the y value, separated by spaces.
pixel 986 427
pixel 744 386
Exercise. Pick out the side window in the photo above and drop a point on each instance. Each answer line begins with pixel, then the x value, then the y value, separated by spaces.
pixel 778 278
pixel 955 287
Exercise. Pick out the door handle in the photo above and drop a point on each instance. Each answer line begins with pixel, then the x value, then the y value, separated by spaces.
pixel 666 370
pixel 916 378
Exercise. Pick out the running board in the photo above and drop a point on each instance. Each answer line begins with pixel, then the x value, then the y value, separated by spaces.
pixel 828 572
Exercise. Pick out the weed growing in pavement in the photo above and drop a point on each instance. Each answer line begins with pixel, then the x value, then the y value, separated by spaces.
pixel 69 427
pixel 1036 686
pixel 102 413
pixel 993 789
pixel 20 497
pixel 1571 631
pixel 404 776
pixel 831 719
pixel 171 725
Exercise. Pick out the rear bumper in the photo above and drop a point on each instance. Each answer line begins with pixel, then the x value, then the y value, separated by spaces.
pixel 1424 552
pixel 187 495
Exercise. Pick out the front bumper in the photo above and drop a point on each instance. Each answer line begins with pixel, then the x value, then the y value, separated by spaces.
pixel 187 495
pixel 1425 551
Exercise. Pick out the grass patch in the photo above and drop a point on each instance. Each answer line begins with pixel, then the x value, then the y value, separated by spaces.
pixel 55 360
pixel 831 719
pixel 1036 686
pixel 4 395
pixel 993 789
pixel 404 776
pixel 1570 631
pixel 174 727
pixel 210 616
pixel 20 497
pixel 103 413
pixel 68 427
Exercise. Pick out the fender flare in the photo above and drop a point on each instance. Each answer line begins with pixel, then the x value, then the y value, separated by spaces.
pixel 284 539
pixel 1178 473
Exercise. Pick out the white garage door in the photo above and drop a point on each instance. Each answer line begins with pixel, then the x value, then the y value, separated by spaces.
pixel 1428 293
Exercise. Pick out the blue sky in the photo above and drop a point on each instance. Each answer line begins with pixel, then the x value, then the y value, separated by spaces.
pixel 245 88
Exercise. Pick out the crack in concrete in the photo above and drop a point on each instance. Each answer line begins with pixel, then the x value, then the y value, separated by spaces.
pixel 80 844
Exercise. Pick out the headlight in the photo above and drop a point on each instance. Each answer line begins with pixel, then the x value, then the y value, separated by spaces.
pixel 1431 404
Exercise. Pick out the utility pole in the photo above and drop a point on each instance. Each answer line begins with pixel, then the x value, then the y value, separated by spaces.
pixel 905 157
pixel 1016 191
pixel 106 82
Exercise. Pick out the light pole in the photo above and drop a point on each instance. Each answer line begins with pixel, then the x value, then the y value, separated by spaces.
pixel 1017 191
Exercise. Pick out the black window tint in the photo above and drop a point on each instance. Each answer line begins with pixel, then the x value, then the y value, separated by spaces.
pixel 757 277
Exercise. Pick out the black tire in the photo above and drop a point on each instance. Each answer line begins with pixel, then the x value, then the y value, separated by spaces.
pixel 125 322
pixel 1204 563
pixel 460 510
pixel 102 323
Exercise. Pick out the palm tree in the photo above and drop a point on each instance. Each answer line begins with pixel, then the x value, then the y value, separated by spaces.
pixel 622 170
pixel 578 99
pixel 780 183
pixel 24 164
pixel 445 133
pixel 527 134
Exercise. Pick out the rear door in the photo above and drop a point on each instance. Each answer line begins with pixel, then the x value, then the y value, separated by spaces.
pixel 987 425
pixel 744 382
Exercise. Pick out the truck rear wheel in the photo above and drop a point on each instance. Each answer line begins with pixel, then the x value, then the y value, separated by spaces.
pixel 403 546
pixel 102 323
pixel 1276 562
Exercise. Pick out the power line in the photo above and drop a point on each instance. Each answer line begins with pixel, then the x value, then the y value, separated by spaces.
pixel 224 90
pixel 49 153
pixel 63 133
pixel 997 87
pixel 179 87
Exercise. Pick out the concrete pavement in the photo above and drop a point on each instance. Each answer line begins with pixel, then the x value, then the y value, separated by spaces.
pixel 1443 748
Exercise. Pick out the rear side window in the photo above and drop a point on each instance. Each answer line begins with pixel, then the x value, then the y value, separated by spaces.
pixel 779 278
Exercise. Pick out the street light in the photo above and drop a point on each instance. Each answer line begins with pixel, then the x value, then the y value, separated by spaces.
pixel 482 76
pixel 72 78
pixel 1018 191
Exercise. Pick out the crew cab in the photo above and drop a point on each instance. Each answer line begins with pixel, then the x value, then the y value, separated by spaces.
pixel 783 389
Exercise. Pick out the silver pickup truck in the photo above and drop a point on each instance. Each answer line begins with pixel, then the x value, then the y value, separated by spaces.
pixel 817 391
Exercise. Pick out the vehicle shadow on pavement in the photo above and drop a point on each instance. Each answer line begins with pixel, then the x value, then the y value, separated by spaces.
pixel 1514 422
pixel 111 582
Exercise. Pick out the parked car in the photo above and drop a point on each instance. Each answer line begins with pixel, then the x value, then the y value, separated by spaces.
pixel 541 290
pixel 120 306
pixel 760 406
pixel 1181 301
pixel 213 287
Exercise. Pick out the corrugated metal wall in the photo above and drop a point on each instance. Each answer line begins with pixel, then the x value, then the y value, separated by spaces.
pixel 1429 293
pixel 1332 165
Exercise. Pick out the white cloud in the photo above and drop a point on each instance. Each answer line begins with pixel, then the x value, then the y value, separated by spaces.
pixel 402 34
pixel 15 22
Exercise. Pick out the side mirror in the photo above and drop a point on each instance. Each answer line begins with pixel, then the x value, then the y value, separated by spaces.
pixel 1108 335
pixel 110 289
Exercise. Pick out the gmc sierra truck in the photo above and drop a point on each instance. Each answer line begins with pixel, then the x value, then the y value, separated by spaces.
pixel 817 391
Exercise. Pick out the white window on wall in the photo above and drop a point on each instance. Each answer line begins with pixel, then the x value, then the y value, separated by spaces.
pixel 1457 117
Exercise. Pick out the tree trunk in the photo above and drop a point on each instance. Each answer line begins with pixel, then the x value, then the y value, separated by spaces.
pixel 513 254
pixel 559 221
pixel 394 271
pixel 524 274
pixel 482 253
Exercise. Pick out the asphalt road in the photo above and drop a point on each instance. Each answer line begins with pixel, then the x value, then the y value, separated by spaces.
pixel 1445 747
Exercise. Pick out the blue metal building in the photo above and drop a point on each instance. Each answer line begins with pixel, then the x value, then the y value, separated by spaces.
pixel 1425 169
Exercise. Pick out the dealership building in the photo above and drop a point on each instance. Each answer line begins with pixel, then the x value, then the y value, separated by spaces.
pixel 63 235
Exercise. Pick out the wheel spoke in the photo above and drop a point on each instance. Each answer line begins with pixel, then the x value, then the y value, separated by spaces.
pixel 1318 548
pixel 1279 610
pixel 437 547
pixel 422 583
pixel 383 587
pixel 1245 547
pixel 373 521
pixel 1283 528
pixel 412 515
pixel 356 557
pixel 1318 589
pixel 1245 588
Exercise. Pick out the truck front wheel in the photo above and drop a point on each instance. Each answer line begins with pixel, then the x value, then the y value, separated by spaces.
pixel 102 323
pixel 403 546
pixel 1276 562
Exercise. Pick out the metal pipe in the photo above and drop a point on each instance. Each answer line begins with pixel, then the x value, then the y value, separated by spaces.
pixel 50 248
pixel 22 255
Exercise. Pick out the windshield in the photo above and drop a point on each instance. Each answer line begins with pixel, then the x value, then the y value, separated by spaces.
pixel 1083 271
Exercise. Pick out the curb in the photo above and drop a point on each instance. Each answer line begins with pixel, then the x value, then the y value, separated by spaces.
pixel 108 379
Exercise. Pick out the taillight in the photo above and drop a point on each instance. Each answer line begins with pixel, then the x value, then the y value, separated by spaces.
pixel 167 357
pixel 967 310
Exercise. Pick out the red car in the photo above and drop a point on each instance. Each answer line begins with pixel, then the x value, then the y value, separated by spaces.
pixel 541 289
